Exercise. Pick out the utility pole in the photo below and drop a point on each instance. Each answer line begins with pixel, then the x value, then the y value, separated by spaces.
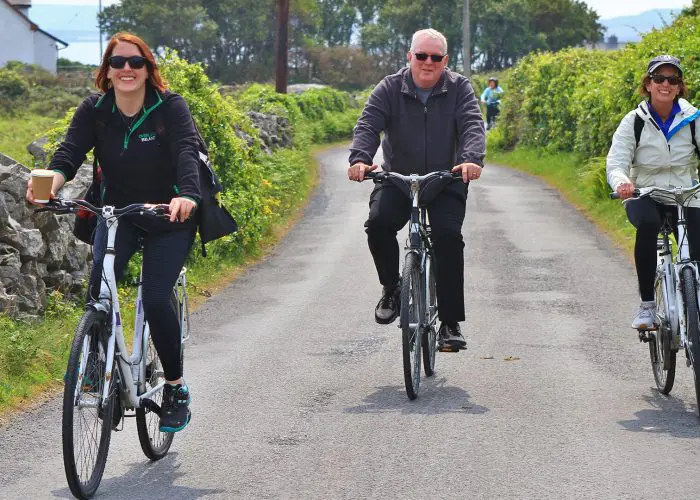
pixel 282 44
pixel 466 40
pixel 99 9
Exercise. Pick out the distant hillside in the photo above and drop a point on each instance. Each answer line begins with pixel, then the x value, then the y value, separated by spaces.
pixel 631 28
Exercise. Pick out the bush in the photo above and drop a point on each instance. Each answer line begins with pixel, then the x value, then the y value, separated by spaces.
pixel 13 90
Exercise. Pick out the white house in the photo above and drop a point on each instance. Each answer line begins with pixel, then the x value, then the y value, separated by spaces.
pixel 22 40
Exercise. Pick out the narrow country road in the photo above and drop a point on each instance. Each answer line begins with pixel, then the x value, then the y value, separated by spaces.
pixel 299 394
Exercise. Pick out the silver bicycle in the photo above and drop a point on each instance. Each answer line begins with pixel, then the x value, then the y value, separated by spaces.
pixel 103 381
pixel 418 305
pixel 676 294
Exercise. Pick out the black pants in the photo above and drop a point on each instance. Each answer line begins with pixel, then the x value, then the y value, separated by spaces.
pixel 164 254
pixel 390 209
pixel 647 216
pixel 491 113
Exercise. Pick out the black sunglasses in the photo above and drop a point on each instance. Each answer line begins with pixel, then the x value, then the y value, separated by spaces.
pixel 135 62
pixel 672 80
pixel 433 57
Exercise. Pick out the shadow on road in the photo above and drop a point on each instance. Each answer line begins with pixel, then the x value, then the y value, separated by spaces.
pixel 147 480
pixel 669 415
pixel 434 397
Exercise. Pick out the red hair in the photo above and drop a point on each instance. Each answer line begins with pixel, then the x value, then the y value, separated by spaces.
pixel 104 84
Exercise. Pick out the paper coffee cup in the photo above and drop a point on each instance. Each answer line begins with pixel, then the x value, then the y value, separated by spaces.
pixel 42 180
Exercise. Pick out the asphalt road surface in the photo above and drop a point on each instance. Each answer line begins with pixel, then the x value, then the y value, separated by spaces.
pixel 298 393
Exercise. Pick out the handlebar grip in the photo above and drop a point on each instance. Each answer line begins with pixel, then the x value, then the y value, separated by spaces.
pixel 615 196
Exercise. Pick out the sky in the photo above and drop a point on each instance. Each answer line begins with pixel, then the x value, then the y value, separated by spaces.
pixel 614 8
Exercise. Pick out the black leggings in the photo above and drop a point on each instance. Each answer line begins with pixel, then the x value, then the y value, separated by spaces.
pixel 390 209
pixel 164 254
pixel 647 216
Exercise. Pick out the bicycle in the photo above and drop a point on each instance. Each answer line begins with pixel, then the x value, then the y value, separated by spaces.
pixel 101 383
pixel 418 307
pixel 676 294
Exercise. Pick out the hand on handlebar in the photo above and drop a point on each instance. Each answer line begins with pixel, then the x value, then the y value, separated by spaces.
pixel 625 190
pixel 357 171
pixel 181 208
pixel 470 171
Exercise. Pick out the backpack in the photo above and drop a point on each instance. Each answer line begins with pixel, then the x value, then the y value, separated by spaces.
pixel 639 125
pixel 213 220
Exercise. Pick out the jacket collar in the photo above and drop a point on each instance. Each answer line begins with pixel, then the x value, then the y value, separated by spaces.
pixel 107 102
pixel 409 87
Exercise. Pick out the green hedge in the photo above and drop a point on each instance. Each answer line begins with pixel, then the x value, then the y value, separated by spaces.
pixel 573 100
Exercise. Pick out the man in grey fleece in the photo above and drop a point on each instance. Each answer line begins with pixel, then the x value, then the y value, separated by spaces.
pixel 431 121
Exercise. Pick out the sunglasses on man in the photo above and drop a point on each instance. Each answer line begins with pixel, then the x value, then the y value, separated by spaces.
pixel 672 80
pixel 135 62
pixel 421 56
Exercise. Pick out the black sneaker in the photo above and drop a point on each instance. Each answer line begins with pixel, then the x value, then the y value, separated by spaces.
pixel 450 338
pixel 387 309
pixel 174 412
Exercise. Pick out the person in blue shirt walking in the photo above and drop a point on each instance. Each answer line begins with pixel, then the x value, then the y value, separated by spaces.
pixel 491 96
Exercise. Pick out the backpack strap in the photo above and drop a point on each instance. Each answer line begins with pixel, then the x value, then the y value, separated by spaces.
pixel 638 126
pixel 692 135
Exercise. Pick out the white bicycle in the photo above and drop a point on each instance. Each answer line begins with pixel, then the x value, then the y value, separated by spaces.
pixel 676 294
pixel 103 380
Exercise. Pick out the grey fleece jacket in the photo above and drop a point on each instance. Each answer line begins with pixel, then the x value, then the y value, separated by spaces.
pixel 446 131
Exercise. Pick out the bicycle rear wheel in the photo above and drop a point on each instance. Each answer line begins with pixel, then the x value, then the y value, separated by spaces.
pixel 412 307
pixel 154 443
pixel 429 335
pixel 86 422
pixel 661 351
pixel 690 297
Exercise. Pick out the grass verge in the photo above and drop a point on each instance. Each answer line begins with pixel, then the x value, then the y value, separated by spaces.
pixel 17 132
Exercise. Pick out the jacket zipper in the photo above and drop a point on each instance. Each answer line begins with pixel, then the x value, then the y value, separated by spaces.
pixel 425 131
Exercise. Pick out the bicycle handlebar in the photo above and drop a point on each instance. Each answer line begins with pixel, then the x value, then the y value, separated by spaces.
pixel 672 192
pixel 379 176
pixel 66 206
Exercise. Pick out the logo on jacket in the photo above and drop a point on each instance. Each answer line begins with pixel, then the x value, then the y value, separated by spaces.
pixel 147 137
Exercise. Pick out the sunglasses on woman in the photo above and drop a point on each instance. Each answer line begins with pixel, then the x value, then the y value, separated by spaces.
pixel 672 80
pixel 135 62
pixel 421 56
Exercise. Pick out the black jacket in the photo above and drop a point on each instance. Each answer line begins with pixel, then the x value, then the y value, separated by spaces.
pixel 136 166
pixel 447 131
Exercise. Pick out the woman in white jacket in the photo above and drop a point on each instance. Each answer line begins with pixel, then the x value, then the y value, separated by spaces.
pixel 663 154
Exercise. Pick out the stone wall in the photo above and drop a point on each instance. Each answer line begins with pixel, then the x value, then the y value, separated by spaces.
pixel 37 249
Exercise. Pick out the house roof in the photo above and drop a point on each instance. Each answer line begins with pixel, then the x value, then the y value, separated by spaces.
pixel 32 25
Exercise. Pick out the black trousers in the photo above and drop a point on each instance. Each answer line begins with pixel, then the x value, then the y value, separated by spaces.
pixel 491 112
pixel 164 254
pixel 389 211
pixel 647 216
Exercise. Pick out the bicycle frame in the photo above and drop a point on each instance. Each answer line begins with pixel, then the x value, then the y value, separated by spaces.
pixel 132 370
pixel 418 242
pixel 672 269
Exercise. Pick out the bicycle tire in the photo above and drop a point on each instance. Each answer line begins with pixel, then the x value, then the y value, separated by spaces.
pixel 690 297
pixel 412 307
pixel 663 356
pixel 429 336
pixel 84 470
pixel 154 443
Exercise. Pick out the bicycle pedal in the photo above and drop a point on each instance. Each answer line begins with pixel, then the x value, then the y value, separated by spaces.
pixel 448 348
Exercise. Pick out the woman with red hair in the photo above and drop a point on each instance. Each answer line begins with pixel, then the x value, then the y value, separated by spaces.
pixel 140 164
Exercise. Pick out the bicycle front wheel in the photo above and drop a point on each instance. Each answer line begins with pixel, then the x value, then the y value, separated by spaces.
pixel 412 307
pixel 430 332
pixel 661 351
pixel 154 443
pixel 86 422
pixel 690 297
